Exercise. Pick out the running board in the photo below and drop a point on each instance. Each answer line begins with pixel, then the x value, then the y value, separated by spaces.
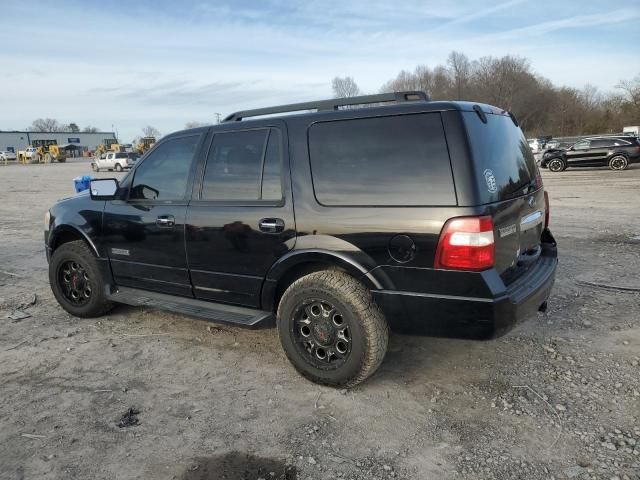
pixel 215 312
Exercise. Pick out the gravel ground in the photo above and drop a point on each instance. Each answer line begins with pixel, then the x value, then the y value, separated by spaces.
pixel 558 397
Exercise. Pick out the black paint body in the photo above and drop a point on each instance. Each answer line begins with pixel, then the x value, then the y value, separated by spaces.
pixel 216 251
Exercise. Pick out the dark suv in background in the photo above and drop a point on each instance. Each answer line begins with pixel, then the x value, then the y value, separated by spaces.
pixel 615 152
pixel 337 224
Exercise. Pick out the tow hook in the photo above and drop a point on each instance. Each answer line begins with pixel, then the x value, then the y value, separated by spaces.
pixel 543 307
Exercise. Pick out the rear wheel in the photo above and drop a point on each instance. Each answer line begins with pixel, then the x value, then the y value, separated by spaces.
pixel 556 165
pixel 118 167
pixel 76 281
pixel 618 162
pixel 331 329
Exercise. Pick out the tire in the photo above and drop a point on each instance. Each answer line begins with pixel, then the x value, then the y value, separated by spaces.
pixel 347 315
pixel 618 162
pixel 118 167
pixel 85 276
pixel 94 167
pixel 556 165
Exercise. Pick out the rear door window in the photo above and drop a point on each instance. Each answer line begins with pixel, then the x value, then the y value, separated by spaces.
pixel 503 162
pixel 601 143
pixel 272 172
pixel 244 165
pixel 381 161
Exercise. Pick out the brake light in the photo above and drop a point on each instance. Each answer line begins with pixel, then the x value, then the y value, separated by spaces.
pixel 546 209
pixel 466 243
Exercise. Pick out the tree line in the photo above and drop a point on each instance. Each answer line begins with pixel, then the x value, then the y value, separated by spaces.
pixel 509 82
pixel 53 125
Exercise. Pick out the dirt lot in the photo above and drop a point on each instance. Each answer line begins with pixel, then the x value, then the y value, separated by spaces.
pixel 559 397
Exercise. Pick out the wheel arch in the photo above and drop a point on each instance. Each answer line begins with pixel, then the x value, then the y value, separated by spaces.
pixel 68 233
pixel 298 263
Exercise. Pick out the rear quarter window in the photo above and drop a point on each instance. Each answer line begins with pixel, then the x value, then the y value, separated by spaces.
pixel 502 160
pixel 382 161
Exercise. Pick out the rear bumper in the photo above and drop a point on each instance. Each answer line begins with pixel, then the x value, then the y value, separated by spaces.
pixel 487 316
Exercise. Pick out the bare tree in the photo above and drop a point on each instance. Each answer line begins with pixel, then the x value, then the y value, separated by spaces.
pixel 631 96
pixel 90 129
pixel 46 125
pixel 195 124
pixel 344 87
pixel 150 131
pixel 460 71
pixel 510 83
pixel 73 127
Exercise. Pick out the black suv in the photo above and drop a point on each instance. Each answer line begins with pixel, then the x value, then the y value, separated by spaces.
pixel 615 152
pixel 336 223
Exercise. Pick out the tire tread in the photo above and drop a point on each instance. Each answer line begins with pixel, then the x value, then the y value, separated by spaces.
pixel 365 309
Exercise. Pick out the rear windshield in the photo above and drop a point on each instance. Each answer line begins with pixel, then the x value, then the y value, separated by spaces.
pixel 381 161
pixel 504 163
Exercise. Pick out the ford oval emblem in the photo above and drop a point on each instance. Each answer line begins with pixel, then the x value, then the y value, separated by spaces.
pixel 532 202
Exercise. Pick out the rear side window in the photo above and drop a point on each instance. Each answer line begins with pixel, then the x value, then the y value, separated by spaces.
pixel 503 162
pixel 621 143
pixel 164 174
pixel 383 161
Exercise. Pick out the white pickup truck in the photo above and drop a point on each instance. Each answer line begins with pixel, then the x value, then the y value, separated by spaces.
pixel 117 161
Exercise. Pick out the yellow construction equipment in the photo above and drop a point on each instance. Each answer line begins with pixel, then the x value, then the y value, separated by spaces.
pixel 41 154
pixel 50 153
pixel 145 144
pixel 109 145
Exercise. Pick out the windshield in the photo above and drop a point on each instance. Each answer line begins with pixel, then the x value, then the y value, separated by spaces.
pixel 505 166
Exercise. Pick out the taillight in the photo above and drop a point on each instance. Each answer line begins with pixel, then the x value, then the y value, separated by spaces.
pixel 546 209
pixel 466 243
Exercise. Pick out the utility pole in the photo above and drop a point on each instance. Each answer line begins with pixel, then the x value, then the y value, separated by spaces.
pixel 218 116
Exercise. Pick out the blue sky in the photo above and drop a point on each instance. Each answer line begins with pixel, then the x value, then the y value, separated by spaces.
pixel 164 63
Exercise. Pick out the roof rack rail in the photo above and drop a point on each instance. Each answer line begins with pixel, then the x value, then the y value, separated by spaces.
pixel 333 104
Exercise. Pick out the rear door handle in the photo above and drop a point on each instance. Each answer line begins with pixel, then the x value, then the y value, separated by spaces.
pixel 271 225
pixel 166 221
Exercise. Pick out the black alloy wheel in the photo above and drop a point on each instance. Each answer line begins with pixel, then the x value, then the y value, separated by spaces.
pixel 322 334
pixel 618 162
pixel 75 282
pixel 555 165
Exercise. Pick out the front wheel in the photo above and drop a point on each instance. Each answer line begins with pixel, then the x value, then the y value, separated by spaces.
pixel 76 281
pixel 618 162
pixel 331 329
pixel 556 165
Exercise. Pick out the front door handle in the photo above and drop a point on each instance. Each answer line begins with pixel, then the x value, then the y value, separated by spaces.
pixel 166 221
pixel 271 225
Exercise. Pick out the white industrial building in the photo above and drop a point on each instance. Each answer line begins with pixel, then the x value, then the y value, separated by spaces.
pixel 18 140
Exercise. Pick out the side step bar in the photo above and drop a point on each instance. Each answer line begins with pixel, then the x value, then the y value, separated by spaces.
pixel 215 312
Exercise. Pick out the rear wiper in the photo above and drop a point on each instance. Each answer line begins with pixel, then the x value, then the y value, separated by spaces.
pixel 527 187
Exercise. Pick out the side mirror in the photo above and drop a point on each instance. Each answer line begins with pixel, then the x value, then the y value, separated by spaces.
pixel 103 188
